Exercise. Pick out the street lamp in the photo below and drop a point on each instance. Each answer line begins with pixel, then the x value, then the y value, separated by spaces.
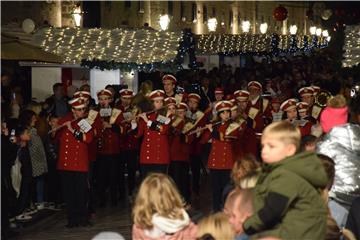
pixel 212 24
pixel 263 28
pixel 245 25
pixel 77 14
pixel 164 22
pixel 313 30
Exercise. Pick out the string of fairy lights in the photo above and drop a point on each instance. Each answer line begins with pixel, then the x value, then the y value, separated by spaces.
pixel 351 46
pixel 140 46
pixel 150 50
pixel 228 44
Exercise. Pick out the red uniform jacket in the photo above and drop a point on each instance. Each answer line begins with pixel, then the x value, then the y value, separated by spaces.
pixel 179 142
pixel 95 121
pixel 199 120
pixel 222 153
pixel 305 128
pixel 110 137
pixel 258 112
pixel 246 142
pixel 73 153
pixel 155 144
pixel 128 141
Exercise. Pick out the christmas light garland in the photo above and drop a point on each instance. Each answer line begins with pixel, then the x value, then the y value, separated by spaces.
pixel 141 46
pixel 149 50
pixel 351 46
pixel 258 44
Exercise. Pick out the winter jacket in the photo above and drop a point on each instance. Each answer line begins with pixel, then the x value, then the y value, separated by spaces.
pixel 287 203
pixel 37 154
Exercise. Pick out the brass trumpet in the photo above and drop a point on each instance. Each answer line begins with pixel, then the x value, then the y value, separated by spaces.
pixel 322 98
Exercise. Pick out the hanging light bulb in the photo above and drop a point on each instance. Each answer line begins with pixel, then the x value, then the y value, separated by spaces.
pixel 325 33
pixel 313 30
pixel 293 29
pixel 328 38
pixel 164 22
pixel 318 32
pixel 245 25
pixel 212 24
pixel 263 28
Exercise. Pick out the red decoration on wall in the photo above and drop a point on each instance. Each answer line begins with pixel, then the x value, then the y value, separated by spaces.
pixel 280 13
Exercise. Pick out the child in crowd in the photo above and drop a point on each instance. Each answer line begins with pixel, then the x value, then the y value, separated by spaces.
pixel 308 143
pixel 336 211
pixel 245 172
pixel 53 185
pixel 159 212
pixel 28 118
pixel 286 201
pixel 215 227
pixel 23 156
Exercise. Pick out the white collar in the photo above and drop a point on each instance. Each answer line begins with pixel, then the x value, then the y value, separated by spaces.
pixel 253 102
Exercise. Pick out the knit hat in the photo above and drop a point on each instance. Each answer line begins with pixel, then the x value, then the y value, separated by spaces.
pixel 335 114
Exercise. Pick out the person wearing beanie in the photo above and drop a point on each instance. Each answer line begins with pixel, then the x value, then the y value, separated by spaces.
pixel 335 114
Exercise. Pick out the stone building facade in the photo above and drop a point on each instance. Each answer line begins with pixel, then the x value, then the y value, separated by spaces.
pixel 183 14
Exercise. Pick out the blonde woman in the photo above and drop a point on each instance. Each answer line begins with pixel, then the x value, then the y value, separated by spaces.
pixel 216 226
pixel 159 212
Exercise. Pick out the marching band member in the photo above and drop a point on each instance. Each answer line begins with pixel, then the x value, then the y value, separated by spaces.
pixel 73 162
pixel 109 148
pixel 275 109
pixel 197 119
pixel 170 104
pixel 154 150
pixel 307 95
pixel 258 109
pixel 221 158
pixel 180 152
pixel 219 95
pixel 303 110
pixel 291 115
pixel 169 83
pixel 246 143
pixel 93 118
pixel 129 144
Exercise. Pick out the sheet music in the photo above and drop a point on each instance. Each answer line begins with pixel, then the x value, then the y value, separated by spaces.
pixel 105 112
pixel 84 125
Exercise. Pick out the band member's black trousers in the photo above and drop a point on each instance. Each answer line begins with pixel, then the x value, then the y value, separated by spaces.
pixel 130 158
pixel 92 194
pixel 109 177
pixel 179 171
pixel 146 169
pixel 219 180
pixel 195 164
pixel 75 192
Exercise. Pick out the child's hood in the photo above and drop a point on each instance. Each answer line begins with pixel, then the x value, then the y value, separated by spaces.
pixel 308 166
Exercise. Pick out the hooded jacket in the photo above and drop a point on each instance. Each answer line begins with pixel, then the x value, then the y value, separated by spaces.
pixel 287 202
